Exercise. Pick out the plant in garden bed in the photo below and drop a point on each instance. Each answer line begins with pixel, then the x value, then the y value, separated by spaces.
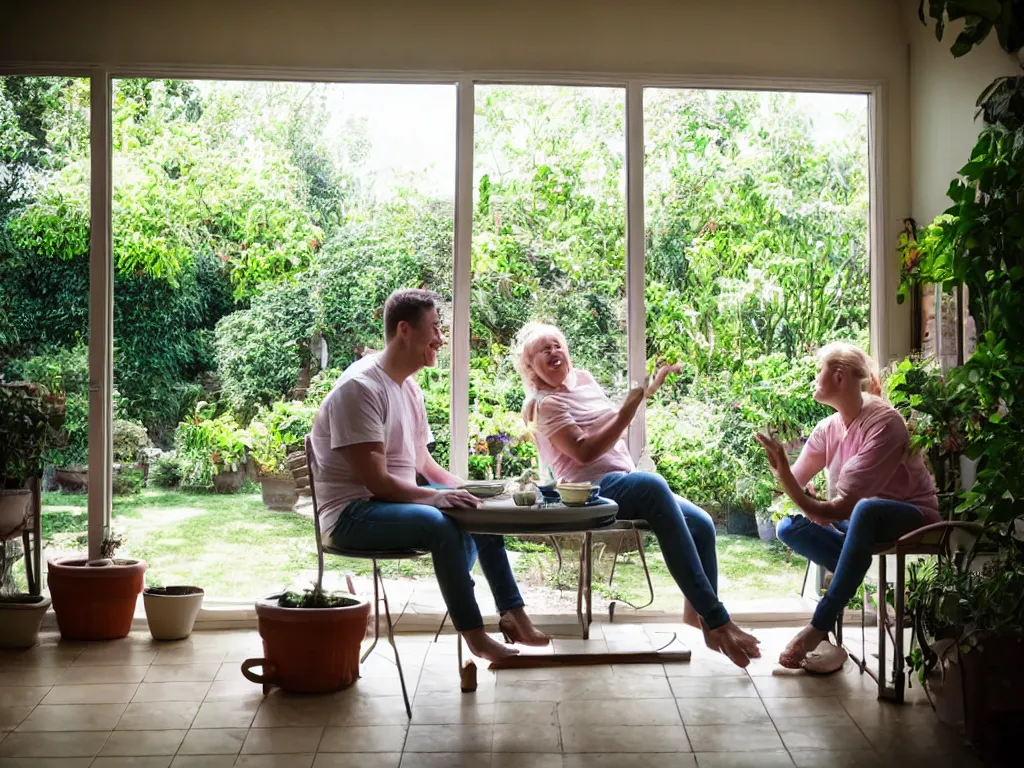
pixel 207 446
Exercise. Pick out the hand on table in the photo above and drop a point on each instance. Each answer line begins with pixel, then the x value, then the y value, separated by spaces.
pixel 457 498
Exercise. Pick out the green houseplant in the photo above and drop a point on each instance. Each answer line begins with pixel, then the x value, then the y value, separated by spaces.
pixel 30 419
pixel 973 605
pixel 273 434
pixel 211 450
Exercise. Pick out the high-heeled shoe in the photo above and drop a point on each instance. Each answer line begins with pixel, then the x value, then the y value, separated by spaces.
pixel 514 635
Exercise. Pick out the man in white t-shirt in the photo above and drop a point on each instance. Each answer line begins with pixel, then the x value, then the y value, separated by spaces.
pixel 370 440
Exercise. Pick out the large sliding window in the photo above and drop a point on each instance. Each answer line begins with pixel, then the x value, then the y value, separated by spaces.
pixel 257 227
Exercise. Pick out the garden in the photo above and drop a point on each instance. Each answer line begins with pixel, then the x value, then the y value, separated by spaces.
pixel 257 234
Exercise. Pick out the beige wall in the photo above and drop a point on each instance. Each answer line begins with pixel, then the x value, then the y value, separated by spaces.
pixel 864 40
pixel 943 92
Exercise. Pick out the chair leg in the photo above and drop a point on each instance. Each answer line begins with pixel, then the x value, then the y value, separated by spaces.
pixel 30 569
pixel 394 647
pixel 898 661
pixel 884 691
pixel 443 620
pixel 647 574
pixel 376 615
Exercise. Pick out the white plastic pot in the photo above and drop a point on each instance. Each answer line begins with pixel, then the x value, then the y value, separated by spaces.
pixel 14 506
pixel 171 611
pixel 20 618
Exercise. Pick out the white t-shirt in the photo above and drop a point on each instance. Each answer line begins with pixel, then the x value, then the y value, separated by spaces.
pixel 365 406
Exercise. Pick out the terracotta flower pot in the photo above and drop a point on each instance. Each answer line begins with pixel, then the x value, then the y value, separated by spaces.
pixel 228 481
pixel 94 602
pixel 171 611
pixel 20 617
pixel 308 650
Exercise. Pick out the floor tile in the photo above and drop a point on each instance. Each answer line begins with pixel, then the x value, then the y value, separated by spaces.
pixel 366 710
pixel 357 760
pixel 31 676
pixel 64 744
pixel 526 760
pixel 203 761
pixel 539 712
pixel 723 711
pixel 453 713
pixel 268 741
pixel 814 758
pixel 275 761
pixel 112 655
pixel 185 655
pixel 526 737
pixel 132 743
pixel 747 760
pixel 108 693
pixel 814 706
pixel 638 760
pixel 615 712
pixel 449 738
pixel 292 713
pixel 162 761
pixel 733 738
pixel 182 673
pixel 11 717
pixel 22 695
pixel 73 717
pixel 169 715
pixel 239 688
pixel 151 692
pixel 102 675
pixel 364 738
pixel 713 687
pixel 832 737
pixel 226 714
pixel 446 760
pixel 224 741
pixel 624 738
pixel 46 762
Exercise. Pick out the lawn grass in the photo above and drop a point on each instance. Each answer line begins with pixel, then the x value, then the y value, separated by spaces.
pixel 234 548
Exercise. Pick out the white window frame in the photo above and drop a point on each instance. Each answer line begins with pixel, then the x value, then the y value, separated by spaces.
pixel 101 266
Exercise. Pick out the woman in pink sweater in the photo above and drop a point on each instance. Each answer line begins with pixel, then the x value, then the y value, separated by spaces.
pixel 579 434
pixel 877 490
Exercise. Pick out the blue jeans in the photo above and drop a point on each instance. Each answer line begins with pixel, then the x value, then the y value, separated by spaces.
pixel 846 547
pixel 384 525
pixel 685 532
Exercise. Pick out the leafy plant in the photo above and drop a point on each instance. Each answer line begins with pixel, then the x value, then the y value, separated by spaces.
pixel 207 445
pixel 277 431
pixel 980 17
pixel 29 423
pixel 315 597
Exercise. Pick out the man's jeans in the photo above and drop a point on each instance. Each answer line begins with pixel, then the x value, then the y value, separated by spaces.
pixel 846 547
pixel 685 532
pixel 382 525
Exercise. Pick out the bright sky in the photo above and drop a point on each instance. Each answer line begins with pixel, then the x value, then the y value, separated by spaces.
pixel 412 128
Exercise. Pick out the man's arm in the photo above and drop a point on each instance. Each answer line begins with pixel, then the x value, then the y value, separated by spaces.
pixel 433 471
pixel 369 462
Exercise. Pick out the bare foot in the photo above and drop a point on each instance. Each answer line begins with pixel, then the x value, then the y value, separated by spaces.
pixel 516 626
pixel 486 647
pixel 806 640
pixel 690 615
pixel 732 641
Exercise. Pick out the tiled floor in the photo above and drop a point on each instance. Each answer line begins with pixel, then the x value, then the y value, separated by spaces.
pixel 186 705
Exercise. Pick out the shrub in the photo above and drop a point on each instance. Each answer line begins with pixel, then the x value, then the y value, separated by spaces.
pixel 165 471
pixel 206 445
pixel 130 441
pixel 128 482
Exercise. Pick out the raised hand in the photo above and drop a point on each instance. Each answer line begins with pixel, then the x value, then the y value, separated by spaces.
pixel 659 378
pixel 776 454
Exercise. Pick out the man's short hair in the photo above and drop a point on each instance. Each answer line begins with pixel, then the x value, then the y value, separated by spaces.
pixel 407 305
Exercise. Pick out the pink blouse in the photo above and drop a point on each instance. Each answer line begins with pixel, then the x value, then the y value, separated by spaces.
pixel 870 458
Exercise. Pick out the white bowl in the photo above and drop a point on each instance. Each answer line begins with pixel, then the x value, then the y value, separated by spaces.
pixel 484 489
pixel 574 493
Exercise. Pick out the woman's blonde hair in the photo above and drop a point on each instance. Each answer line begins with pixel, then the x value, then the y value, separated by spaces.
pixel 853 361
pixel 523 359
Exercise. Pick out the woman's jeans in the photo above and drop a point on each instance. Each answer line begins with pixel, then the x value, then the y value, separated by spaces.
pixel 846 548
pixel 384 526
pixel 685 532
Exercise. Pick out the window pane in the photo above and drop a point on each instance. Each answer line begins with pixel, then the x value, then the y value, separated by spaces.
pixel 44 281
pixel 548 244
pixel 258 229
pixel 757 221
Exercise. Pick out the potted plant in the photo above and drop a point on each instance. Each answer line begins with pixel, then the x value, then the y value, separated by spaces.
pixel 274 433
pixel 311 640
pixel 171 611
pixel 95 599
pixel 212 450
pixel 977 246
pixel 20 615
